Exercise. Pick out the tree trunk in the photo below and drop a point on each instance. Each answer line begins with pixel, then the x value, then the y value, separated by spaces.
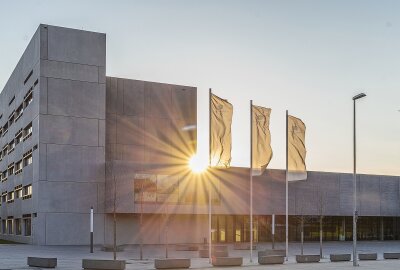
pixel 302 234
pixel 320 237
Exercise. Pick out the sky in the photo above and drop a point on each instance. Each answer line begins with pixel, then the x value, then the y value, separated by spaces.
pixel 308 57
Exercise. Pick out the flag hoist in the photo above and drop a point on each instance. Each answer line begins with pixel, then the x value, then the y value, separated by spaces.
pixel 220 140
pixel 295 159
pixel 260 152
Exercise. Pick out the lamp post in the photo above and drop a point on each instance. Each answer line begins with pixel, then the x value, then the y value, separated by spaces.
pixel 355 214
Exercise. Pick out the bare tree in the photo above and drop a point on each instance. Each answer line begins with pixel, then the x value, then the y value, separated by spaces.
pixel 301 206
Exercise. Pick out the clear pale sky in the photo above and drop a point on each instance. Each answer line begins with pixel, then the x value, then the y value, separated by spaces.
pixel 309 57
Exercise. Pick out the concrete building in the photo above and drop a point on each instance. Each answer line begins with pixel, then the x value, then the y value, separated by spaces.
pixel 72 138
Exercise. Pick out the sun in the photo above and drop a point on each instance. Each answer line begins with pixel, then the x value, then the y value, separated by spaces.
pixel 197 164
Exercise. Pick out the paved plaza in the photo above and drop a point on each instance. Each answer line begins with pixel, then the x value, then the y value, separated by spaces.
pixel 13 256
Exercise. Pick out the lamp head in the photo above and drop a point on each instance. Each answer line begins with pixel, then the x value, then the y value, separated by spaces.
pixel 361 95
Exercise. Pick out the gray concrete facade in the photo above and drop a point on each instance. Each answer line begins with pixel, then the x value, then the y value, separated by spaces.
pixel 92 135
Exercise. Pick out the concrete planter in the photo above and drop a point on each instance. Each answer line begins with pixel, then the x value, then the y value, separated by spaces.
pixel 227 261
pixel 340 257
pixel 42 262
pixel 307 258
pixel 271 259
pixel 391 255
pixel 171 263
pixel 367 256
pixel 186 248
pixel 103 264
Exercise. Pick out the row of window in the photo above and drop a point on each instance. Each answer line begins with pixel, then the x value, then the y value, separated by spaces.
pixel 19 192
pixel 16 167
pixel 20 136
pixel 15 226
pixel 16 114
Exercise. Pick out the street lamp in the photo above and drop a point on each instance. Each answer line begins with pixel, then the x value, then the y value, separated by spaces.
pixel 355 214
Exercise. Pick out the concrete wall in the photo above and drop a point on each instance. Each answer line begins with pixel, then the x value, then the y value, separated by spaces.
pixel 72 120
pixel 158 229
pixel 329 194
pixel 17 87
pixel 146 129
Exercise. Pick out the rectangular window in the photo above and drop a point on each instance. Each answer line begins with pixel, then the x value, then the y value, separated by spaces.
pixel 1 131
pixel 28 98
pixel 18 167
pixel 11 146
pixel 18 112
pixel 18 137
pixel 5 148
pixel 11 101
pixel 4 226
pixel 10 226
pixel 28 158
pixel 27 226
pixel 4 197
pixel 28 77
pixel 18 226
pixel 28 131
pixel 18 191
pixel 5 128
pixel 27 192
pixel 10 197
pixel 4 176
pixel 11 118
pixel 10 169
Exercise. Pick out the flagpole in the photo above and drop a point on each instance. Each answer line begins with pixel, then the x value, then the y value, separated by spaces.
pixel 287 190
pixel 251 181
pixel 209 183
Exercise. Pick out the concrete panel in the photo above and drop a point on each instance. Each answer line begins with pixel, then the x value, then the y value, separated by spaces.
pixel 43 41
pixel 76 46
pixel 69 130
pixel 67 224
pixel 102 75
pixel 157 141
pixel 328 194
pixel 111 95
pixel 184 103
pixel 102 133
pixel 120 96
pixel 68 71
pixel 133 97
pixel 130 130
pixel 183 229
pixel 111 128
pixel 43 95
pixel 389 195
pixel 75 98
pixel 369 196
pixel 42 161
pixel 346 194
pixel 59 197
pixel 32 54
pixel 158 102
pixel 39 229
pixel 75 163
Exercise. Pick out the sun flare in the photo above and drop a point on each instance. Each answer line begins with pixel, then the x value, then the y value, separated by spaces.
pixel 197 164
